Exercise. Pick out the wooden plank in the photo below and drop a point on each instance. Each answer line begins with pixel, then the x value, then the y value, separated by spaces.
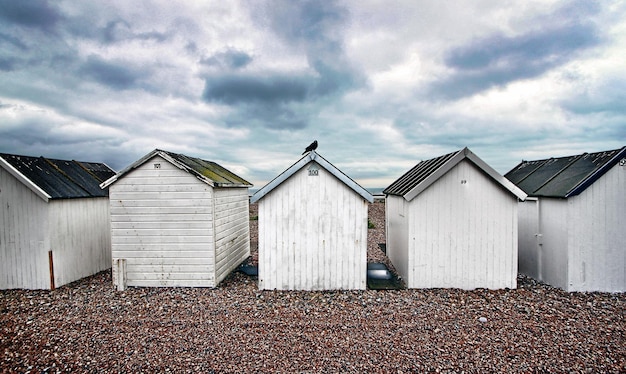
pixel 121 216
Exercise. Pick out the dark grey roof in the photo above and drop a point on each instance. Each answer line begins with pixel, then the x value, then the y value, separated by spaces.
pixel 425 173
pixel 416 175
pixel 207 171
pixel 302 162
pixel 563 176
pixel 58 179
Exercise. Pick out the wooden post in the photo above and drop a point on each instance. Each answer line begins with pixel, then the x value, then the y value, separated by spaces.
pixel 121 274
pixel 51 264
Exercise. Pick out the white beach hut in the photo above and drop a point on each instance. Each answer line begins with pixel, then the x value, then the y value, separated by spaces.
pixel 312 228
pixel 54 221
pixel 177 221
pixel 452 223
pixel 571 228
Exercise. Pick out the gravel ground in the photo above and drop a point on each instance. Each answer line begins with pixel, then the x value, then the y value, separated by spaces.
pixel 88 327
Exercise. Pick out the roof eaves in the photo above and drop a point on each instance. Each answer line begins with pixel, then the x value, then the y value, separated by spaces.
pixel 507 184
pixel 435 175
pixel 130 167
pixel 343 177
pixel 281 177
pixel 22 178
pixel 312 156
pixel 185 167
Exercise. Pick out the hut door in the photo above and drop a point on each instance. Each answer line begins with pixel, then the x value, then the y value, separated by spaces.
pixel 530 239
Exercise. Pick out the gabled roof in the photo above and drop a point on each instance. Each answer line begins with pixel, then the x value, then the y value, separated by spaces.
pixel 425 173
pixel 563 176
pixel 321 161
pixel 208 172
pixel 58 179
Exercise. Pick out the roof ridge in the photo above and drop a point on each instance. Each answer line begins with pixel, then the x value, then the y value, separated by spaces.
pixel 590 177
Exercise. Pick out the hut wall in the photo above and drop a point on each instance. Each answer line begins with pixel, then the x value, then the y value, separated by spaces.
pixel 79 237
pixel 24 241
pixel 596 236
pixel 162 226
pixel 397 237
pixel 232 229
pixel 463 233
pixel 312 235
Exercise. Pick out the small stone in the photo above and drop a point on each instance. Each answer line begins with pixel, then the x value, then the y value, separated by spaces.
pixel 482 319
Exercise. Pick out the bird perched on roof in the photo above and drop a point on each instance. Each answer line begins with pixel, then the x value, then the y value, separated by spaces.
pixel 311 147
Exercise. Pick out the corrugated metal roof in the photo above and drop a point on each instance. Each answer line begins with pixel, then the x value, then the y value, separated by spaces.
pixel 305 160
pixel 564 176
pixel 417 174
pixel 60 179
pixel 207 171
pixel 425 173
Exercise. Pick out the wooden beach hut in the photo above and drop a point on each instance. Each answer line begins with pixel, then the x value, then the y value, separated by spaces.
pixel 177 221
pixel 571 231
pixel 452 223
pixel 312 228
pixel 54 221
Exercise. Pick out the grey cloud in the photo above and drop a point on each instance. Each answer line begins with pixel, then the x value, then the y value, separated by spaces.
pixel 607 98
pixel 119 30
pixel 34 14
pixel 499 60
pixel 283 101
pixel 316 28
pixel 8 64
pixel 114 75
pixel 237 89
pixel 230 59
pixel 13 41
pixel 269 102
pixel 274 117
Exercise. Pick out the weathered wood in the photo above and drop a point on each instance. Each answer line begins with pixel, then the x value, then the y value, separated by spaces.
pixel 312 235
pixel 51 262
pixel 460 232
pixel 76 229
pixel 577 243
pixel 179 231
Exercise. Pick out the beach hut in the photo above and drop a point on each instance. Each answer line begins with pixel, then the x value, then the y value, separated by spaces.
pixel 452 223
pixel 54 221
pixel 571 228
pixel 312 228
pixel 177 221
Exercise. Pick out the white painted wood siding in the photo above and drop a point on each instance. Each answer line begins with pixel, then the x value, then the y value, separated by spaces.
pixel 397 233
pixel 162 225
pixel 80 238
pixel 24 242
pixel 463 235
pixel 596 235
pixel 312 235
pixel 232 229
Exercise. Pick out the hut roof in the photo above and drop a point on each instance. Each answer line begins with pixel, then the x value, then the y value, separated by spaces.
pixel 425 173
pixel 58 179
pixel 310 157
pixel 563 176
pixel 208 172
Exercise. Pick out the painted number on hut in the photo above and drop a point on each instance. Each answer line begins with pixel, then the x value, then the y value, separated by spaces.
pixel 313 171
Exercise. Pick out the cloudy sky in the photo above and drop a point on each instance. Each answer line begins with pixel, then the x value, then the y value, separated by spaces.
pixel 249 84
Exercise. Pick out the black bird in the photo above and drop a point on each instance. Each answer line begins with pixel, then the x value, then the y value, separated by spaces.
pixel 311 147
